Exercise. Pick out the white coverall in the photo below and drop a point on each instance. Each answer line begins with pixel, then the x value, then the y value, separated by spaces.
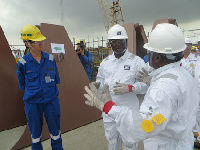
pixel 190 62
pixel 173 94
pixel 121 70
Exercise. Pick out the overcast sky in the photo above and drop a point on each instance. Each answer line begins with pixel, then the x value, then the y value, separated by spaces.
pixel 83 19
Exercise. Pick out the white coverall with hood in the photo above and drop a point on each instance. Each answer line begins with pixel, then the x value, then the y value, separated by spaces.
pixel 173 94
pixel 122 70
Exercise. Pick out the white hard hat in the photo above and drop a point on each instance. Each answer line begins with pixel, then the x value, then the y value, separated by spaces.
pixel 188 41
pixel 167 39
pixel 117 32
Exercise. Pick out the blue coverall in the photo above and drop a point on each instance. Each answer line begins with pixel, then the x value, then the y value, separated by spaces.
pixel 86 61
pixel 39 80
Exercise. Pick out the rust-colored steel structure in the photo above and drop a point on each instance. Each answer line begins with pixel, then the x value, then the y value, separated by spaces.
pixel 136 39
pixel 165 20
pixel 11 103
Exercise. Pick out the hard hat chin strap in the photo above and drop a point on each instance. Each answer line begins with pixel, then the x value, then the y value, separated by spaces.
pixel 29 44
pixel 151 57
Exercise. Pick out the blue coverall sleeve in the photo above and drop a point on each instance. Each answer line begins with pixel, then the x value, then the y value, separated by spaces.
pixel 57 78
pixel 21 76
pixel 87 59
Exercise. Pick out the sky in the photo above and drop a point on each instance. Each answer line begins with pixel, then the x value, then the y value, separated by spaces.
pixel 82 19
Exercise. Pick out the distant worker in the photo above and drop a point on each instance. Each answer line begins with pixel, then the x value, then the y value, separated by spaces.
pixel 189 60
pixel 194 50
pixel 38 75
pixel 119 72
pixel 85 58
pixel 198 46
pixel 167 115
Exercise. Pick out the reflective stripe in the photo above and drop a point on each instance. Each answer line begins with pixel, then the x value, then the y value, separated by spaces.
pixel 55 137
pixel 36 140
pixel 51 57
pixel 169 75
pixel 22 61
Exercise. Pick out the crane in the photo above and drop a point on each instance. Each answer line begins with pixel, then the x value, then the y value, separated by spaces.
pixel 111 15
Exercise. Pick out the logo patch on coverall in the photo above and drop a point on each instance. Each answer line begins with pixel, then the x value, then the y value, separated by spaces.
pixel 126 67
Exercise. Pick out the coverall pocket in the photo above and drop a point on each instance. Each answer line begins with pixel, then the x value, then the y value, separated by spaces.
pixel 32 80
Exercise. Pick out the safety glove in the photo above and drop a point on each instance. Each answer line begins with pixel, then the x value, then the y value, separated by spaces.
pixel 96 84
pixel 143 76
pixel 94 98
pixel 121 88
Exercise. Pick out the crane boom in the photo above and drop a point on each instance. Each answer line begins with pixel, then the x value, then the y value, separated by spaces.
pixel 111 15
pixel 106 13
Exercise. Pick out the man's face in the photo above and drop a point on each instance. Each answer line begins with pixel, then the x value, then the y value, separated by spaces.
pixel 78 47
pixel 188 49
pixel 118 45
pixel 38 45
pixel 155 60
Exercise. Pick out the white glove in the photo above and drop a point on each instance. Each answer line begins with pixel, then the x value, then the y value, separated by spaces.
pixel 143 76
pixel 94 98
pixel 122 88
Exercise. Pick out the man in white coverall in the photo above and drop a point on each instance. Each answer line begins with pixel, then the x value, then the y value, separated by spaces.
pixel 167 115
pixel 119 72
pixel 189 60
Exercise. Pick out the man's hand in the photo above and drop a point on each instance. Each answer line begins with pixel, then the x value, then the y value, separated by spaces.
pixel 143 76
pixel 122 88
pixel 82 51
pixel 94 98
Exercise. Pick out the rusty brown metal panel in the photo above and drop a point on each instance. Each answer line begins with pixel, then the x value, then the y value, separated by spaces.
pixel 130 29
pixel 165 20
pixel 73 78
pixel 141 39
pixel 74 112
pixel 136 39
pixel 11 98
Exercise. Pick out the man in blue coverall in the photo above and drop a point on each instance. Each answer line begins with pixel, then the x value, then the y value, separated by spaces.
pixel 85 58
pixel 38 75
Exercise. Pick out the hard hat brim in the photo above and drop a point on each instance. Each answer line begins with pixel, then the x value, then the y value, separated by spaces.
pixel 148 47
pixel 117 37
pixel 39 39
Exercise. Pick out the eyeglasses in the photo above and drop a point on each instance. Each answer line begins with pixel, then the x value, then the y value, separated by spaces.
pixel 117 41
pixel 36 42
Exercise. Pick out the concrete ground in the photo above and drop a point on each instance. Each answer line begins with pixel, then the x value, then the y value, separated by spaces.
pixel 88 137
